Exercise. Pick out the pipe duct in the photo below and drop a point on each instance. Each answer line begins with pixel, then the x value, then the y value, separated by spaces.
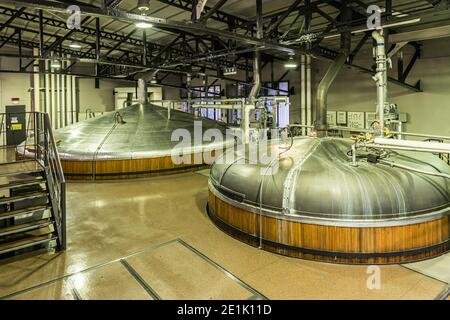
pixel 142 91
pixel 256 77
pixel 380 78
pixel 257 55
pixel 322 91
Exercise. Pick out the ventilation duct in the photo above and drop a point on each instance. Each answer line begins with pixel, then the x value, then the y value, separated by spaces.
pixel 322 92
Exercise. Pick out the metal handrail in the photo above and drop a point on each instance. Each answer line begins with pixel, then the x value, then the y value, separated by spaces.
pixel 443 156
pixel 40 136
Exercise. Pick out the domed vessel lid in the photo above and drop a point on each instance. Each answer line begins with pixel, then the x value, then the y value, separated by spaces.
pixel 317 183
pixel 145 132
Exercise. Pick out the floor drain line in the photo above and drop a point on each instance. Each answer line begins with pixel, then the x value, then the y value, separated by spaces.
pixel 140 280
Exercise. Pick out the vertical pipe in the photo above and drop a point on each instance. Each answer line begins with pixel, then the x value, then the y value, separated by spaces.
pixel 63 95
pixel 19 32
pixel 58 99
pixel 189 92
pixel 257 55
pixel 303 92
pixel 36 83
pixel 41 34
pixel 144 49
pixel 380 78
pixel 321 125
pixel 47 88
pixel 308 93
pixel 69 98
pixel 142 91
pixel 97 44
pixel 52 98
pixel 74 99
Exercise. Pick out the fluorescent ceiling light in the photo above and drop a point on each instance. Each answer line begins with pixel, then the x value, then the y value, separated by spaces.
pixel 402 23
pixel 143 25
pixel 291 64
pixel 75 45
pixel 228 71
pixel 55 64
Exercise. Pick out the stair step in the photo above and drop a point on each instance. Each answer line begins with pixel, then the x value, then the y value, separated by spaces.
pixel 14 213
pixel 24 227
pixel 22 183
pixel 24 196
pixel 26 242
pixel 19 167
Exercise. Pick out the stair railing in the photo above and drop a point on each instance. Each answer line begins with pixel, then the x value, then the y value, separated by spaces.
pixel 46 153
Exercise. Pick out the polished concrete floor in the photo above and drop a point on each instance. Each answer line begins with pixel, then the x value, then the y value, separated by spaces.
pixel 152 239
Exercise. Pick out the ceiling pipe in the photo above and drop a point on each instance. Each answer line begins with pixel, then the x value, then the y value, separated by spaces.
pixel 257 55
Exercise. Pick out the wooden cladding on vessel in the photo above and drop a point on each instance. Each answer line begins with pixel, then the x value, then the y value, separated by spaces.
pixel 382 245
pixel 128 168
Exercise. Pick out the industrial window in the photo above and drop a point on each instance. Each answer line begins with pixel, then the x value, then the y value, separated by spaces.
pixel 213 92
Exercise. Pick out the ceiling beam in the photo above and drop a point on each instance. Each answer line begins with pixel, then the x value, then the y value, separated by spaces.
pixel 11 19
pixel 216 15
pixel 280 19
pixel 160 23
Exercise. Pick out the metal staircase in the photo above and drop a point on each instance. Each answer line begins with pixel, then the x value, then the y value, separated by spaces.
pixel 32 192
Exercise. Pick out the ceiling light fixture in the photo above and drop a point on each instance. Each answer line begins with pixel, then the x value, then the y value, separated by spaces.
pixel 75 45
pixel 143 25
pixel 291 64
pixel 143 5
pixel 55 64
pixel 228 71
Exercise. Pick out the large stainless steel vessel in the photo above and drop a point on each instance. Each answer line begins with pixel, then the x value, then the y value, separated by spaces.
pixel 319 205
pixel 135 141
